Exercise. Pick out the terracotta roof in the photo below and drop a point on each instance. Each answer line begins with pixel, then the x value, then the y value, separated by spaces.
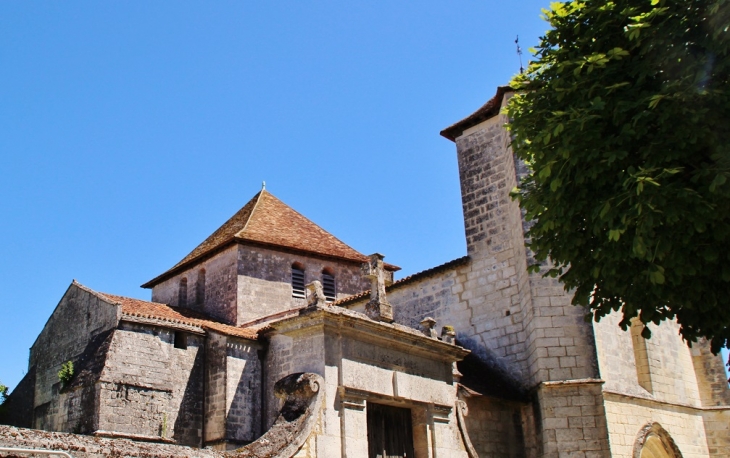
pixel 154 310
pixel 488 110
pixel 269 221
pixel 409 279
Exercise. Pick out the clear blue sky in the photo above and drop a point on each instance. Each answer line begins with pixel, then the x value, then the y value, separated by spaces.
pixel 129 131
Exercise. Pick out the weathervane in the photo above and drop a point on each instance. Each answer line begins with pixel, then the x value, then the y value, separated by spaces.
pixel 519 52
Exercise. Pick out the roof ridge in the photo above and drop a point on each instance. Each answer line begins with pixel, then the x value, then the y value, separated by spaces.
pixel 325 231
pixel 253 210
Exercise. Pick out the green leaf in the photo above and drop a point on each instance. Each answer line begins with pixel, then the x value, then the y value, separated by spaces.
pixel 642 159
pixel 545 172
pixel 614 235
pixel 605 209
pixel 655 99
pixel 555 184
pixel 718 181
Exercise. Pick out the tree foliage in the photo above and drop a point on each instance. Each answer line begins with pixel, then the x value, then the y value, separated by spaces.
pixel 66 374
pixel 624 120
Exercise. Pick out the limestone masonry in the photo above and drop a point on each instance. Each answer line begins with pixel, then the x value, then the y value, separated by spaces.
pixel 273 338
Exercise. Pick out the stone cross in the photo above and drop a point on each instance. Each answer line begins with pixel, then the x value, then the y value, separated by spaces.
pixel 378 308
pixel 315 294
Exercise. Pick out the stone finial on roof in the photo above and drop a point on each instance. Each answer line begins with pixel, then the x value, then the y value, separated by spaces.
pixel 448 334
pixel 315 294
pixel 378 308
pixel 427 326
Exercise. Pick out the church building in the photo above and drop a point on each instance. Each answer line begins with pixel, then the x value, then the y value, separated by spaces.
pixel 273 338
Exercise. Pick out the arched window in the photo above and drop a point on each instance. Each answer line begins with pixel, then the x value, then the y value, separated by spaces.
pixel 641 355
pixel 654 441
pixel 182 299
pixel 328 284
pixel 200 288
pixel 297 281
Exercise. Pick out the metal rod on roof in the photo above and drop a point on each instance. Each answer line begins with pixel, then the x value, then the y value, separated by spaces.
pixel 519 52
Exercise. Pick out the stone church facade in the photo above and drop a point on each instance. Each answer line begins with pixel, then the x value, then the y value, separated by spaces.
pixel 274 338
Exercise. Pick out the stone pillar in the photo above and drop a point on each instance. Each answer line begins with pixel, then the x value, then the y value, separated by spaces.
pixel 378 308
pixel 354 424
pixel 573 420
pixel 315 294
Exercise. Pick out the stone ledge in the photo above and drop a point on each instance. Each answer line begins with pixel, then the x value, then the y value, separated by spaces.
pixel 665 403
pixel 134 437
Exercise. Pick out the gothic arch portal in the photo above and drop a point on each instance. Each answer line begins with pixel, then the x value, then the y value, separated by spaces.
pixel 653 441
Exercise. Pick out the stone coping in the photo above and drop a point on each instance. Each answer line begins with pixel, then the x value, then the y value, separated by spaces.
pixel 363 328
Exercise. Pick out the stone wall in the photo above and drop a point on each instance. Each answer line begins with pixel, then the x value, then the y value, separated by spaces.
pixel 572 420
pixel 711 377
pixel 151 388
pixel 243 391
pixel 215 388
pixel 18 407
pixel 233 396
pixel 80 446
pixel 71 333
pixel 244 283
pixel 495 427
pixel 687 395
pixel 627 415
pixel 264 280
pixel 219 295
pixel 364 362
pixel 523 324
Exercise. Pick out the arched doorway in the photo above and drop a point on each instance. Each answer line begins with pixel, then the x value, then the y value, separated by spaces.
pixel 653 441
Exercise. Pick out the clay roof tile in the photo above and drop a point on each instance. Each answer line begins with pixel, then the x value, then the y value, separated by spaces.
pixel 486 111
pixel 269 221
pixel 163 312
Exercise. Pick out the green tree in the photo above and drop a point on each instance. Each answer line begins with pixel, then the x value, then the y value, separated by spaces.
pixel 3 397
pixel 624 120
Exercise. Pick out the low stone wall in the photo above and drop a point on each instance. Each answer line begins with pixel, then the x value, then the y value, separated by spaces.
pixel 80 446
pixel 300 412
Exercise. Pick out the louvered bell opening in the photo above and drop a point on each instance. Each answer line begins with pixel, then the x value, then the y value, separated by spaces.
pixel 328 285
pixel 297 283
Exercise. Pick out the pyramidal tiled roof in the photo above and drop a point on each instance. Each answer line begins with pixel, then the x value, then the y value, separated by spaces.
pixel 269 221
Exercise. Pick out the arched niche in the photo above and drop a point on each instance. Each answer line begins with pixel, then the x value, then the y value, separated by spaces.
pixel 653 441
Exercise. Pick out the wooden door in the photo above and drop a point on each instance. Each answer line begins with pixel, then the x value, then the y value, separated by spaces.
pixel 390 432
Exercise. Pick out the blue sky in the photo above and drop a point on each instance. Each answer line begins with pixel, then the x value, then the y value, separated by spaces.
pixel 129 131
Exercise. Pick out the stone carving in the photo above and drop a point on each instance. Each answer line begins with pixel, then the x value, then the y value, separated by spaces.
pixel 303 400
pixel 462 411
pixel 315 294
pixel 448 334
pixel 427 326
pixel 378 308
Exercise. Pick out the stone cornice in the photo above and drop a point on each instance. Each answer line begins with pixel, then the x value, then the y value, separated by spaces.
pixel 357 325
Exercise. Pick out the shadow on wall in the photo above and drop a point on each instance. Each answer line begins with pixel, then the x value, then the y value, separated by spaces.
pixel 190 416
pixel 483 372
pixel 18 408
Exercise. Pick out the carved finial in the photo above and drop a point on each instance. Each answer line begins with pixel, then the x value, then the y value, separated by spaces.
pixel 315 294
pixel 378 308
pixel 427 326
pixel 263 186
pixel 448 334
